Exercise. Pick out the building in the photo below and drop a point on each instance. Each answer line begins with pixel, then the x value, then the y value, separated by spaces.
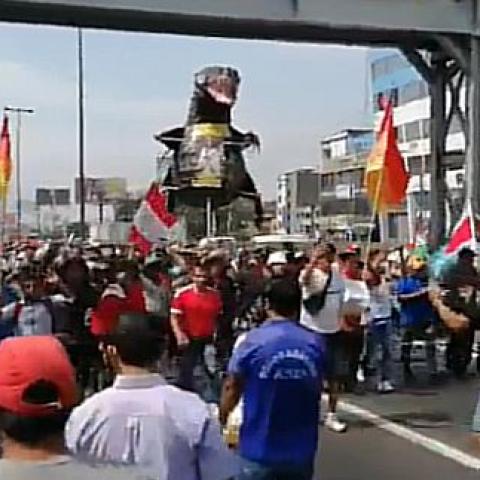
pixel 392 76
pixel 297 201
pixel 344 208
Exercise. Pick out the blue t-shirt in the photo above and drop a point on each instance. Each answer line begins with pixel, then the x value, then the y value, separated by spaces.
pixel 416 311
pixel 281 364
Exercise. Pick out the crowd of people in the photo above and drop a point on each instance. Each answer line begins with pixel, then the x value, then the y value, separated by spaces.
pixel 101 346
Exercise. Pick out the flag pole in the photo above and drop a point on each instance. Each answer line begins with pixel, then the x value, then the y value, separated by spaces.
pixel 374 214
pixel 472 224
pixel 4 218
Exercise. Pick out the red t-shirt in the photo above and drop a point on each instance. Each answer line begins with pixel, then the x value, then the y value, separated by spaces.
pixel 199 310
pixel 114 303
pixel 105 317
pixel 136 298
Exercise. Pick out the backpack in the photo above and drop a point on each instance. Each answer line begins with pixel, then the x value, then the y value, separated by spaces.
pixel 47 302
pixel 315 302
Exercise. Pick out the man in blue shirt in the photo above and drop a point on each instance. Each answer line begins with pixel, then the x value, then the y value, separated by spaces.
pixel 278 369
pixel 417 316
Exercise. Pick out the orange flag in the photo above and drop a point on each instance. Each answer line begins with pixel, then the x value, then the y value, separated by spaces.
pixel 386 178
pixel 5 160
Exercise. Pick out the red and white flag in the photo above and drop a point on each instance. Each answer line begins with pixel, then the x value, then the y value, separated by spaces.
pixel 463 235
pixel 153 223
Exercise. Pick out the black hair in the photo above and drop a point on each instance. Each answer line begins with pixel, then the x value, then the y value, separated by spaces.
pixel 283 295
pixel 32 431
pixel 139 339
pixel 466 252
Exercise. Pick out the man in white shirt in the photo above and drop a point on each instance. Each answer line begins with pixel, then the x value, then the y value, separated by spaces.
pixel 323 291
pixel 143 421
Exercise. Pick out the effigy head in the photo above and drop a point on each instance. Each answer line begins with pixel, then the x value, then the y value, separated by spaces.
pixel 219 83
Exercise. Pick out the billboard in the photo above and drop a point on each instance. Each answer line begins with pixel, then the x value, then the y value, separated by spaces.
pixel 52 196
pixel 102 190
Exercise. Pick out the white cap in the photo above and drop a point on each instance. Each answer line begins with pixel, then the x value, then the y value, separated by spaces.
pixel 277 258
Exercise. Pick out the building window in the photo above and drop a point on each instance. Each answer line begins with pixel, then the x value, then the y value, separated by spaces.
pixel 412 91
pixel 412 131
pixel 327 152
pixel 426 128
pixel 388 65
pixel 415 165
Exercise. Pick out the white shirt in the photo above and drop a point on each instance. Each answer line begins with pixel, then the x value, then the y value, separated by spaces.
pixel 143 421
pixel 33 318
pixel 380 302
pixel 327 320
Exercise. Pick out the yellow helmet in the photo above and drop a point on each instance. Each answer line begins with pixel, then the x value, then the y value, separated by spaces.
pixel 416 262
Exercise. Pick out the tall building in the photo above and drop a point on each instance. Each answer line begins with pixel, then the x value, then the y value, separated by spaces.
pixel 297 201
pixel 345 211
pixel 392 76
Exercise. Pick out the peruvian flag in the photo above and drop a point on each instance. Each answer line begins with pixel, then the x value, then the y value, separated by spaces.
pixel 463 235
pixel 153 223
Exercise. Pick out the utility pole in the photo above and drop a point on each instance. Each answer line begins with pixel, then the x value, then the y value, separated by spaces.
pixel 81 132
pixel 18 112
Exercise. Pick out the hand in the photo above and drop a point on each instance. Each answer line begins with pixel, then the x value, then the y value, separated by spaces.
pixel 182 340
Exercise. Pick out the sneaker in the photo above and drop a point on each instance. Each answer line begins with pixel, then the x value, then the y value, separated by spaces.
pixel 387 387
pixel 334 424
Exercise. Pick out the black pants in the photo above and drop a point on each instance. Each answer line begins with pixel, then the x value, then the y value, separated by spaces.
pixel 354 341
pixel 191 356
pixel 459 350
pixel 419 332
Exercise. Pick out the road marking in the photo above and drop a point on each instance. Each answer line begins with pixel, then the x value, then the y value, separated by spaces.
pixel 412 436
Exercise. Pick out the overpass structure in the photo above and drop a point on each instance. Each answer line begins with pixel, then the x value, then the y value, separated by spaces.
pixel 440 37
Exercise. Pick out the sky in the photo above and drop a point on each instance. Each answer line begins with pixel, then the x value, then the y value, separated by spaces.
pixel 138 84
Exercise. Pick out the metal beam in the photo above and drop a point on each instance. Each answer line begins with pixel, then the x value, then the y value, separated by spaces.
pixel 340 21
pixel 456 51
pixel 437 142
pixel 472 163
pixel 417 60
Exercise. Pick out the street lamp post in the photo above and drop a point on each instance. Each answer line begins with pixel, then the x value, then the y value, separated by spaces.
pixel 81 132
pixel 19 112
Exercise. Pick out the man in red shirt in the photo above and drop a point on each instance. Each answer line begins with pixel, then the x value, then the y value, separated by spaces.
pixel 124 296
pixel 195 310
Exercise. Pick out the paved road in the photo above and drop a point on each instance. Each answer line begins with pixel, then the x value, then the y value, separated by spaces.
pixel 368 453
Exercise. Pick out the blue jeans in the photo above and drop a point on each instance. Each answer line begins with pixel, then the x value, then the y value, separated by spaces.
pixel 379 348
pixel 256 471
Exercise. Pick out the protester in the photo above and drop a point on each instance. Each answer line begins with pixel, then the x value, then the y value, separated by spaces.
pixel 278 369
pixel 353 324
pixel 142 420
pixel 37 392
pixel 156 283
pixel 417 317
pixel 123 296
pixel 461 288
pixel 277 264
pixel 34 313
pixel 380 325
pixel 322 296
pixel 194 314
pixel 217 264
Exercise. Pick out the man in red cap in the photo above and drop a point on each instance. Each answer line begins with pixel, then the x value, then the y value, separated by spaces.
pixel 37 392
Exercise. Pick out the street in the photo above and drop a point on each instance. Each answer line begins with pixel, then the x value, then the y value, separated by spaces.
pixel 366 452
pixel 405 435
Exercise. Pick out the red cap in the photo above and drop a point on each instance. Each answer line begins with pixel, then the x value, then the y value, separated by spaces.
pixel 352 249
pixel 26 360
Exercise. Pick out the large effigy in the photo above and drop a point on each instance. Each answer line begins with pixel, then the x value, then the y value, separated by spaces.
pixel 208 162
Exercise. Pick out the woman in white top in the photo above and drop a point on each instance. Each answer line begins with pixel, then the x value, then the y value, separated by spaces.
pixel 379 320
